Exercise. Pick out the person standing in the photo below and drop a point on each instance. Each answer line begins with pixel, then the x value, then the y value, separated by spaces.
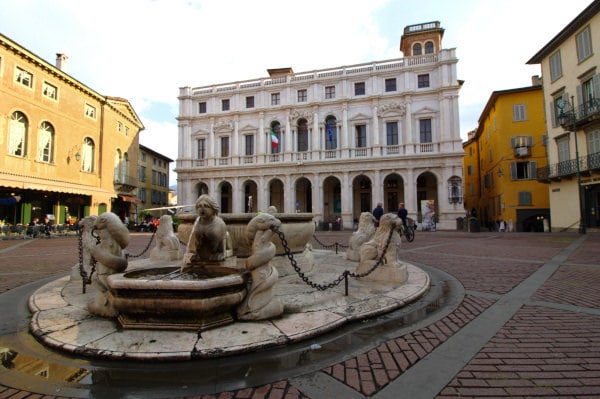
pixel 378 213
pixel 403 214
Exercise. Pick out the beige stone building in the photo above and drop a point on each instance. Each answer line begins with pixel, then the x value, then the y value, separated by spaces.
pixel 570 64
pixel 333 141
pixel 153 174
pixel 66 149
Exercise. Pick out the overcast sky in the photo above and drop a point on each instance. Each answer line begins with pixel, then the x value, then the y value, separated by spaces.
pixel 144 50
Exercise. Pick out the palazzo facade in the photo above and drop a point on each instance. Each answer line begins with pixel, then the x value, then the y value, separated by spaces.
pixel 332 142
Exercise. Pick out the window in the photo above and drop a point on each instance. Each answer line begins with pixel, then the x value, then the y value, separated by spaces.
pixel 50 91
pixel 584 44
pixel 392 133
pixel 119 126
pixel 249 144
pixel 519 112
pixel 45 142
pixel 593 142
pixel 359 88
pixel 429 48
pixel 361 136
pixel 142 173
pixel 302 96
pixel 523 170
pixel 390 84
pixel 23 77
pixel 202 107
pixel 275 138
pixel 275 98
pixel 470 170
pixel 87 156
pixel 127 131
pixel 250 102
pixel 225 105
pixel 224 147
pixel 330 133
pixel 201 151
pixel 423 81
pixel 425 130
pixel 302 135
pixel 521 141
pixel 525 198
pixel 564 154
pixel 90 111
pixel 330 92
pixel 17 134
pixel 417 50
pixel 555 66
pixel 589 95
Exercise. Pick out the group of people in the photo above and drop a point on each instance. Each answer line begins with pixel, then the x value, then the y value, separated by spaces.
pixel 402 213
pixel 35 227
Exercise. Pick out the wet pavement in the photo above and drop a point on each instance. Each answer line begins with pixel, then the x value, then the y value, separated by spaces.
pixel 509 315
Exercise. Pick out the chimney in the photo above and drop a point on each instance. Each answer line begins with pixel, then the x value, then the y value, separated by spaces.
pixel 61 61
pixel 536 80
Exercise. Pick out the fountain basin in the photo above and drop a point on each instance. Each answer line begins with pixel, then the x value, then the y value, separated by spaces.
pixel 160 298
pixel 298 229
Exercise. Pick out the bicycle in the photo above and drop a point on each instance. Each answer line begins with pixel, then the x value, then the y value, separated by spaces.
pixel 408 232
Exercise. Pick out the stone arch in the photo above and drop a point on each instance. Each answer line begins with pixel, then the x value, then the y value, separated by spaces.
pixel 362 195
pixel 249 196
pixel 276 194
pixel 303 198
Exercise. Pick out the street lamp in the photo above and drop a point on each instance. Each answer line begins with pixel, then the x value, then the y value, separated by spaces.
pixel 563 118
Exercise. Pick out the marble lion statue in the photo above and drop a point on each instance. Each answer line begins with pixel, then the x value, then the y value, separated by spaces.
pixel 259 303
pixel 371 251
pixel 366 230
pixel 210 232
pixel 167 244
pixel 110 257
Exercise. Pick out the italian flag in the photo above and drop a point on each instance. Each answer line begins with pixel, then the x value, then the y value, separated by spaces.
pixel 274 140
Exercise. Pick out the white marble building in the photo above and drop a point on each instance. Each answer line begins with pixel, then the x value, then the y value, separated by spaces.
pixel 332 142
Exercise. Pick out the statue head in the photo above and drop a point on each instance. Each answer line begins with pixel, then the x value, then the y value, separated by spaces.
pixel 206 207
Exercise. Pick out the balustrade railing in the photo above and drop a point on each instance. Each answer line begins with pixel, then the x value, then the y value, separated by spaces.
pixel 569 168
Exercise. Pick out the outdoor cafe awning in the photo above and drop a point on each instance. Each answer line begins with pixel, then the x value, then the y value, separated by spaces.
pixel 130 198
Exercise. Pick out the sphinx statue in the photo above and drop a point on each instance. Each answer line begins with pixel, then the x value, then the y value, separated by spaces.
pixel 167 243
pixel 366 229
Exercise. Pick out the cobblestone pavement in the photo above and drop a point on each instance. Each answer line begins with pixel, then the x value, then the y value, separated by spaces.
pixel 527 326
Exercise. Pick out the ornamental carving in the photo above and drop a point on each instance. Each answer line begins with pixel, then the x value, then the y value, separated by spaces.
pixel 295 115
pixel 223 126
pixel 392 107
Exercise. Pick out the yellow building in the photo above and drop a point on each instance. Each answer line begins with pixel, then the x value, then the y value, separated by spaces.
pixel 504 154
pixel 153 175
pixel 67 150
pixel 570 65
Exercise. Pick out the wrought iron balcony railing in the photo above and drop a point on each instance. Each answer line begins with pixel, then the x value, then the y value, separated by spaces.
pixel 568 169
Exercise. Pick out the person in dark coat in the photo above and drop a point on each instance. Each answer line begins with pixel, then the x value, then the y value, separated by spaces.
pixel 378 213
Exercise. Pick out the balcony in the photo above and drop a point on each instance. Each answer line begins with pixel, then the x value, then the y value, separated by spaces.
pixel 585 114
pixel 568 169
pixel 125 183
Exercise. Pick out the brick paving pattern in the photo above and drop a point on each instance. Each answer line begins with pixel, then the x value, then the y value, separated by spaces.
pixel 549 348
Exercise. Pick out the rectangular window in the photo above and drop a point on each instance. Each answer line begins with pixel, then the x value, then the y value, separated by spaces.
pixel 224 147
pixel 519 112
pixel 555 66
pixel 119 126
pixel 359 89
pixel 49 90
pixel 225 105
pixel 249 144
pixel 361 136
pixel 390 84
pixel 584 44
pixel 525 198
pixel 275 98
pixel 593 142
pixel 302 96
pixel 90 111
pixel 391 129
pixel 142 173
pixel 202 107
pixel 423 80
pixel 425 130
pixel 23 77
pixel 330 92
pixel 523 170
pixel 470 170
pixel 201 153
pixel 250 102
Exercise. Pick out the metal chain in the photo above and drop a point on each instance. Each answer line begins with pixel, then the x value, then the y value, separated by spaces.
pixel 128 255
pixel 337 281
pixel 335 244
pixel 85 279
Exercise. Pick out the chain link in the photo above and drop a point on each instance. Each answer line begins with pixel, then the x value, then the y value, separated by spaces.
pixel 335 244
pixel 128 255
pixel 338 280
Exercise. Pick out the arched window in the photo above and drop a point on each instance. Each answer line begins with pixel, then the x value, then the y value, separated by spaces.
pixel 117 166
pixel 417 50
pixel 302 135
pixel 455 190
pixel 124 167
pixel 429 48
pixel 45 143
pixel 87 159
pixel 275 137
pixel 17 134
pixel 330 133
